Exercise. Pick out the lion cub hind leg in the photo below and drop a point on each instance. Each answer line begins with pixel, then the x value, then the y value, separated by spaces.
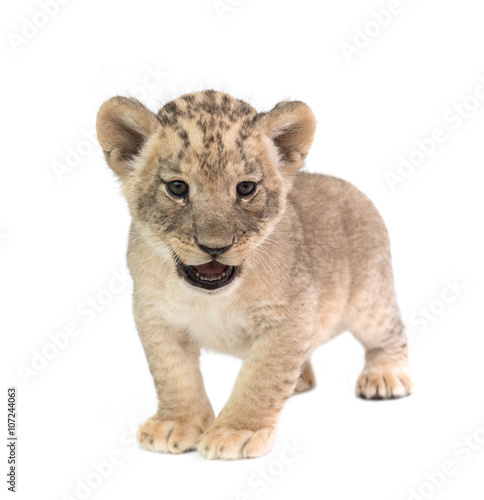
pixel 307 380
pixel 386 372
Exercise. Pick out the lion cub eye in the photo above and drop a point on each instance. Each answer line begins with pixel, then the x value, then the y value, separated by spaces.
pixel 246 188
pixel 177 188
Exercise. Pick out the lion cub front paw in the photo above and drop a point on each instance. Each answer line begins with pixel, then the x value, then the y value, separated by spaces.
pixel 168 436
pixel 232 444
pixel 384 384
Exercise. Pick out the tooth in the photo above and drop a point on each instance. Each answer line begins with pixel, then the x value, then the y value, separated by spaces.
pixel 197 275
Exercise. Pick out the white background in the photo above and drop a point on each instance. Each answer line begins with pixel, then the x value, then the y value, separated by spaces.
pixel 63 236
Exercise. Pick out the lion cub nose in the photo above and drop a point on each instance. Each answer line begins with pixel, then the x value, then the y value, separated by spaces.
pixel 213 252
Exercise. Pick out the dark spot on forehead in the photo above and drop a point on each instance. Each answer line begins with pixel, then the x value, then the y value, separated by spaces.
pixel 188 98
pixel 169 114
pixel 225 105
pixel 171 107
pixel 183 135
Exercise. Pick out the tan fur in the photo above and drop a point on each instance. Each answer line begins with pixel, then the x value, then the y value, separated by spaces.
pixel 314 261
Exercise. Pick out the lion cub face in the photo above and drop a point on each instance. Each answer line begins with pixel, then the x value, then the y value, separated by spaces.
pixel 206 179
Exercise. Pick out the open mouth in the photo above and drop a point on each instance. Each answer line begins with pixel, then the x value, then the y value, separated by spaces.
pixel 209 276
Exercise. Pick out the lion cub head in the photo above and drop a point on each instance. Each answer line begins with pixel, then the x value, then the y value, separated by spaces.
pixel 206 179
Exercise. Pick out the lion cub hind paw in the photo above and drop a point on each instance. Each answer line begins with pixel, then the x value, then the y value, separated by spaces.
pixel 383 384
pixel 231 444
pixel 168 436
pixel 306 381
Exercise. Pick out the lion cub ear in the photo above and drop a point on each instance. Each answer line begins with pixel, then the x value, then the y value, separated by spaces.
pixel 123 126
pixel 291 126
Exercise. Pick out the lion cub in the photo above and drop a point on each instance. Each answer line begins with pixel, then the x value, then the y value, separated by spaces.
pixel 233 249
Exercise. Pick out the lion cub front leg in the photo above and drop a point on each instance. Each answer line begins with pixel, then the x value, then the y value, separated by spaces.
pixel 184 410
pixel 246 427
